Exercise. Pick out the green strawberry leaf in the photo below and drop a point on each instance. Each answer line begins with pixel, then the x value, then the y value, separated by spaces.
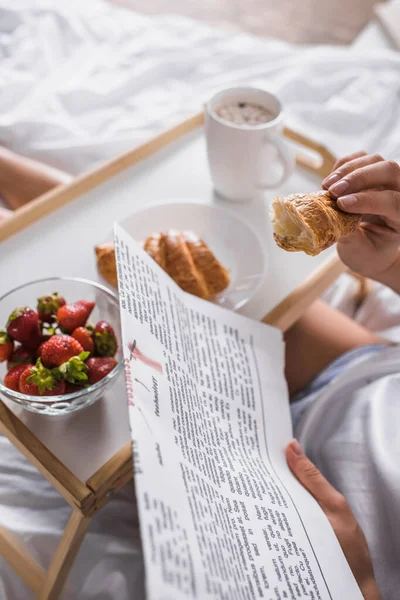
pixel 74 370
pixel 105 343
pixel 57 374
pixel 17 312
pixel 4 337
pixel 49 330
pixel 42 377
pixel 48 305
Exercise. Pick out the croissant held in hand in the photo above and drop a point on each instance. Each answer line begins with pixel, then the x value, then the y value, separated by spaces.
pixel 310 222
pixel 183 255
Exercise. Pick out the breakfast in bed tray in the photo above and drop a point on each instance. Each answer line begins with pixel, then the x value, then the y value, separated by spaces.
pixel 61 348
pixel 240 124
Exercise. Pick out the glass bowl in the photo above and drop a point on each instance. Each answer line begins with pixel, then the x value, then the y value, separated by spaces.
pixel 72 289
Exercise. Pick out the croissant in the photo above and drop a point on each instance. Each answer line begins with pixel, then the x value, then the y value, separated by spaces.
pixel 106 264
pixel 183 255
pixel 310 222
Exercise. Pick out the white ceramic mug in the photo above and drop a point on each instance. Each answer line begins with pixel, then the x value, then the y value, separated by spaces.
pixel 241 157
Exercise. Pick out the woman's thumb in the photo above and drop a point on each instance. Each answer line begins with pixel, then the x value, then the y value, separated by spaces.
pixel 309 476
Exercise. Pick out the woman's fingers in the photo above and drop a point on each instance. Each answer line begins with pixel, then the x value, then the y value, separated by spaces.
pixel 381 174
pixel 385 203
pixel 349 167
pixel 347 158
pixel 307 473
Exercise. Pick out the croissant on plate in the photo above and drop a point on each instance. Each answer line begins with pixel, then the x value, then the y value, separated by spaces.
pixel 310 222
pixel 106 263
pixel 183 255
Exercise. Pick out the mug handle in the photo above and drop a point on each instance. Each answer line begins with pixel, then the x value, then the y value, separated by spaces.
pixel 286 156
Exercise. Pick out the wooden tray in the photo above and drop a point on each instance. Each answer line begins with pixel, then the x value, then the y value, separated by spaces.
pixel 31 212
pixel 282 315
pixel 54 221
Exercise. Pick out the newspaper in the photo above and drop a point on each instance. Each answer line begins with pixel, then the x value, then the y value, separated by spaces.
pixel 221 516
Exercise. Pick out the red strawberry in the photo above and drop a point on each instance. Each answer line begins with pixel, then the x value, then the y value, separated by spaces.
pixel 11 379
pixel 99 368
pixel 20 356
pixel 71 316
pixel 59 349
pixel 6 346
pixel 48 306
pixel 39 381
pixel 84 338
pixel 105 341
pixel 23 326
pixel 71 388
pixel 45 338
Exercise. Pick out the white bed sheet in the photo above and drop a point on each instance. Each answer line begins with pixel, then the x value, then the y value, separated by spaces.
pixel 82 81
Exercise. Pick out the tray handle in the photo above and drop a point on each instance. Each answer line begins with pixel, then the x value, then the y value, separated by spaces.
pixel 324 165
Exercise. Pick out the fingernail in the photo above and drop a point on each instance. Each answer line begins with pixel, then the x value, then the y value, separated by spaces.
pixel 297 449
pixel 347 201
pixel 331 179
pixel 339 188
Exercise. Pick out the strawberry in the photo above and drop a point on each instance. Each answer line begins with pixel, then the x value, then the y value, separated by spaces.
pixel 84 338
pixel 74 370
pixel 105 341
pixel 45 338
pixel 71 388
pixel 11 379
pixel 39 381
pixel 100 367
pixel 23 326
pixel 6 346
pixel 71 316
pixel 48 306
pixel 20 356
pixel 59 349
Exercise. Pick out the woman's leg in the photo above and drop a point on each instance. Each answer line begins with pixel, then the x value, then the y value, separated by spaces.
pixel 321 335
pixel 23 179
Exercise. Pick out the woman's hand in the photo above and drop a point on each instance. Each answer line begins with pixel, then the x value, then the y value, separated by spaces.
pixel 369 185
pixel 344 524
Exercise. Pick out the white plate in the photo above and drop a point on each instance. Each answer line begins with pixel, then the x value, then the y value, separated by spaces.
pixel 233 242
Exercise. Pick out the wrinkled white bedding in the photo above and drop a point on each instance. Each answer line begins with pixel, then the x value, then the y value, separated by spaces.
pixel 86 80
pixel 82 81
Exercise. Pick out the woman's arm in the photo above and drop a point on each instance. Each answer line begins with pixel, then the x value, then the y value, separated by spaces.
pixel 23 179
pixel 392 277
pixel 344 524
